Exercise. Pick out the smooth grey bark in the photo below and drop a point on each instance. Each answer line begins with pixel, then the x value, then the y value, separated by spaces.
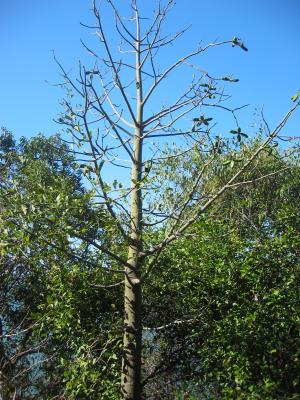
pixel 132 338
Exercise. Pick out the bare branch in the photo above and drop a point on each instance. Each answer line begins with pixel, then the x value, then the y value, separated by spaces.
pixel 116 74
pixel 185 225
pixel 179 62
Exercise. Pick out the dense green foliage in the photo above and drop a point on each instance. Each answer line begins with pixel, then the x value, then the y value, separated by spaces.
pixel 58 328
pixel 222 306
pixel 237 275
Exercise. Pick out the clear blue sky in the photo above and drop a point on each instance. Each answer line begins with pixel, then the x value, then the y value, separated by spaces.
pixel 269 72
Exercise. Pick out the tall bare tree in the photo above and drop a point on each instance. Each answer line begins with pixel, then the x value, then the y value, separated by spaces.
pixel 122 121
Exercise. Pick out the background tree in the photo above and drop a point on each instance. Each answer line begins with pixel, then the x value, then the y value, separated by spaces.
pixel 226 297
pixel 46 275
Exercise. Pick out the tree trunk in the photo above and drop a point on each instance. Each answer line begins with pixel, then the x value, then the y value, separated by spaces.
pixel 132 339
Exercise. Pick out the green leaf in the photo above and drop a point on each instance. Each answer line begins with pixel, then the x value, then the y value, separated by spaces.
pixel 229 79
pixel 58 198
pixel 295 97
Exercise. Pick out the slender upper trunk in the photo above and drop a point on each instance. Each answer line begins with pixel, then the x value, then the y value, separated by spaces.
pixel 132 339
